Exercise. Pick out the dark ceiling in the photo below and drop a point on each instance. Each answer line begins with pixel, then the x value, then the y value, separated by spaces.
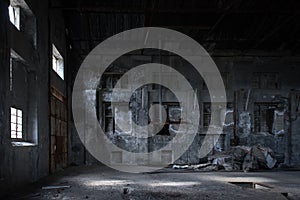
pixel 239 26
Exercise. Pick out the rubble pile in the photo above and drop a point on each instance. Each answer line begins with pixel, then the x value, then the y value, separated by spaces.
pixel 237 158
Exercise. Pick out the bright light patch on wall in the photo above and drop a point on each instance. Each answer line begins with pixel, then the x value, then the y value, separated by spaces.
pixel 16 118
pixel 14 16
pixel 57 62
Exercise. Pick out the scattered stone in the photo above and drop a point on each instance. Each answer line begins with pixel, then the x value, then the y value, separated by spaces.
pixel 55 187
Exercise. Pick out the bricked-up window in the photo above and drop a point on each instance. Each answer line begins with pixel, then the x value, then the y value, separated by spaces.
pixel 14 16
pixel 265 80
pixel 16 122
pixel 57 62
pixel 264 116
pixel 206 114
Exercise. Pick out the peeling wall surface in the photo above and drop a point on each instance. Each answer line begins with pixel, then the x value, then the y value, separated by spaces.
pixel 255 114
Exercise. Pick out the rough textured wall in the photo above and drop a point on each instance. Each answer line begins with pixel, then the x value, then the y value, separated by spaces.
pixel 77 154
pixel 23 164
pixel 4 88
pixel 293 139
pixel 240 73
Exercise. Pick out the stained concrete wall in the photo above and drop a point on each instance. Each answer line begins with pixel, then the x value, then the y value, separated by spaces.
pixel 240 76
pixel 288 73
pixel 24 164
pixel 77 152
pixel 58 39
pixel 4 90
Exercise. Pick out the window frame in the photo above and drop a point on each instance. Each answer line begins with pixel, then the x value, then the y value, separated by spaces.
pixel 18 115
pixel 15 16
pixel 58 65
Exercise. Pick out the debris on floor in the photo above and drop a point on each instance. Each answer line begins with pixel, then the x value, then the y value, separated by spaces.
pixel 127 190
pixel 237 158
pixel 198 166
pixel 259 158
pixel 224 160
pixel 55 187
pixel 31 196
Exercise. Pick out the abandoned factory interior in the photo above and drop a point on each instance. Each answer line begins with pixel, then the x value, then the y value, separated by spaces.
pixel 150 99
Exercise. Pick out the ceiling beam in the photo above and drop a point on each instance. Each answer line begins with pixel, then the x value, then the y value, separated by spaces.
pixel 133 10
pixel 272 32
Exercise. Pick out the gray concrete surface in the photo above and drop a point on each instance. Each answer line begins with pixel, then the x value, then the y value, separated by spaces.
pixel 99 182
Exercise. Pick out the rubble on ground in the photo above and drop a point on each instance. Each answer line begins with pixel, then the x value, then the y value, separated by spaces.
pixel 237 158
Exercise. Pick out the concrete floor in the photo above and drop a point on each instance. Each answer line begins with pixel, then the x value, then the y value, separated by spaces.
pixel 99 182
